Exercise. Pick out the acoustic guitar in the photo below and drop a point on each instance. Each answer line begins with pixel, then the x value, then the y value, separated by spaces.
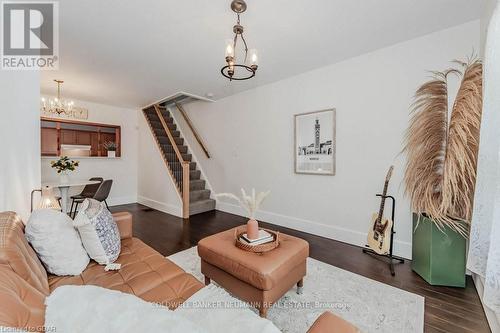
pixel 379 236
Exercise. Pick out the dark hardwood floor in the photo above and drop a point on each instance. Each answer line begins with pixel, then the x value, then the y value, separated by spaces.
pixel 446 309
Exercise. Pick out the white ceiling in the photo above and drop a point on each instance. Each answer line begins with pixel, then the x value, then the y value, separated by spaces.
pixel 132 53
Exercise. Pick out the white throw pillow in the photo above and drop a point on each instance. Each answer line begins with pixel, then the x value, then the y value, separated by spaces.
pixel 98 231
pixel 57 243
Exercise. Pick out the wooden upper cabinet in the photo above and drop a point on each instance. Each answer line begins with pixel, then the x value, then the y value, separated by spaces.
pixel 83 138
pixel 68 137
pixel 57 132
pixel 94 144
pixel 49 141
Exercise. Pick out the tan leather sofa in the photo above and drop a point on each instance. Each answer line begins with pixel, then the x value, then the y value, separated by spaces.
pixel 24 282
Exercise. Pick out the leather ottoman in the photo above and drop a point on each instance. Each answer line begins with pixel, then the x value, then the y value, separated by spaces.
pixel 260 279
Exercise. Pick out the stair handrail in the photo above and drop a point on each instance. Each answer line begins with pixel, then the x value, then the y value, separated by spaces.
pixel 193 129
pixel 169 135
pixel 184 188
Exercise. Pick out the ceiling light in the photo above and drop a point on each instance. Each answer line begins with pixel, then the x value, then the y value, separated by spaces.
pixel 57 105
pixel 234 70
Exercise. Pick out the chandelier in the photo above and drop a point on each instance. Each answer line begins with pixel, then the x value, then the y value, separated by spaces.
pixel 233 70
pixel 57 105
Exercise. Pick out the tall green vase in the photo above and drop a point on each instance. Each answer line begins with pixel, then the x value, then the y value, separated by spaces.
pixel 438 257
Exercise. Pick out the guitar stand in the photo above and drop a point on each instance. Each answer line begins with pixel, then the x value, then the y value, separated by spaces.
pixel 391 257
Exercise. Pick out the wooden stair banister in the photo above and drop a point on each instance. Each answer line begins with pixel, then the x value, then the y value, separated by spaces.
pixel 183 189
pixel 192 190
pixel 193 129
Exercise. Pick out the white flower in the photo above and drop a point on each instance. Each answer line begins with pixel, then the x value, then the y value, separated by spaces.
pixel 250 203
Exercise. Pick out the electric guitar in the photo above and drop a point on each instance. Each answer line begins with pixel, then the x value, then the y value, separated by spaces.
pixel 379 236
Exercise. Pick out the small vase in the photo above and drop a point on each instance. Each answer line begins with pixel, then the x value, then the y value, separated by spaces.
pixel 64 177
pixel 111 153
pixel 252 229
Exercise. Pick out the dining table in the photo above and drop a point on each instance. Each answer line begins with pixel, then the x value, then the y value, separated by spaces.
pixel 64 189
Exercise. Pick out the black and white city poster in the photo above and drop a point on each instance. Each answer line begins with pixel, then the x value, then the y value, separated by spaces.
pixel 315 142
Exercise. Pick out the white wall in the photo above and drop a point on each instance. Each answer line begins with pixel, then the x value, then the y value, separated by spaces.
pixel 250 136
pixel 155 188
pixel 122 170
pixel 19 139
pixel 488 8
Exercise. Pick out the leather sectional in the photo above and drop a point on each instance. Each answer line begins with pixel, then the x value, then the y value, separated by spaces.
pixel 24 282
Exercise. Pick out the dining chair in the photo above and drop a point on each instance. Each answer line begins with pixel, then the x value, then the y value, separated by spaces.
pixel 88 192
pixel 101 194
pixel 103 191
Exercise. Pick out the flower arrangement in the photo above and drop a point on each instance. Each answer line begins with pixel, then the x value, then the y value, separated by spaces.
pixel 250 203
pixel 110 146
pixel 64 164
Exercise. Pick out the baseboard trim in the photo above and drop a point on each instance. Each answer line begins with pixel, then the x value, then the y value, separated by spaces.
pixel 402 249
pixel 115 201
pixel 161 206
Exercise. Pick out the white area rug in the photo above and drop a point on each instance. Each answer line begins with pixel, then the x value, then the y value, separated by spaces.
pixel 370 305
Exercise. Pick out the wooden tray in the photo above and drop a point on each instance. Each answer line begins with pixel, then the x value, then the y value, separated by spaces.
pixel 266 247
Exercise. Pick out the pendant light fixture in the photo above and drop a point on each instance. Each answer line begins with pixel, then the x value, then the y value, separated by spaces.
pixel 57 105
pixel 234 70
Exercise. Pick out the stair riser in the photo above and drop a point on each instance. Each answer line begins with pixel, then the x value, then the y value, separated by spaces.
pixel 195 174
pixel 164 140
pixel 197 185
pixel 172 157
pixel 161 132
pixel 165 113
pixel 201 207
pixel 156 124
pixel 168 149
pixel 159 125
pixel 199 195
pixel 175 165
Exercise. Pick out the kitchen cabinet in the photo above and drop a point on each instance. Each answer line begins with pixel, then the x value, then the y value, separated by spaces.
pixel 94 144
pixel 68 137
pixel 49 141
pixel 83 138
pixel 57 132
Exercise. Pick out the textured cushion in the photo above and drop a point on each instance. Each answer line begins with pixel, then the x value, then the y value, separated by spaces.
pixel 263 271
pixel 144 272
pixel 99 232
pixel 17 255
pixel 57 243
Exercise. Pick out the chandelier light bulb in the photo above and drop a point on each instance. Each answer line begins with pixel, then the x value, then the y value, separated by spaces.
pixel 229 49
pixel 253 59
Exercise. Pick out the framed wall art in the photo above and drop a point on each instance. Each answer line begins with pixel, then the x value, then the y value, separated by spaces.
pixel 315 142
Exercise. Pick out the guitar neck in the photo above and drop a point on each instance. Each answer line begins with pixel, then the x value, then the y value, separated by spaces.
pixel 382 203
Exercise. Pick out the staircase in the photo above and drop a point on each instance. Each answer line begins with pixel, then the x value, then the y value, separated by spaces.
pixel 191 188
